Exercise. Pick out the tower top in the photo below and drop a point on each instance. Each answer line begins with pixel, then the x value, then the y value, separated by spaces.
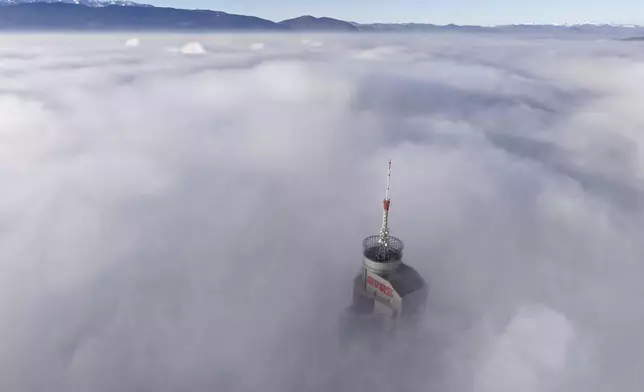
pixel 383 241
pixel 387 192
pixel 383 252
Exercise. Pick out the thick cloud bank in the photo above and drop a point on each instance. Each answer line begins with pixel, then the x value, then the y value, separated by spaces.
pixel 192 223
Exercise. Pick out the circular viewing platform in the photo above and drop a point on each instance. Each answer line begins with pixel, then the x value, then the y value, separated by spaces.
pixel 378 253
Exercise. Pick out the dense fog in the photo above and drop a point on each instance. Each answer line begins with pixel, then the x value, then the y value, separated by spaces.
pixel 185 212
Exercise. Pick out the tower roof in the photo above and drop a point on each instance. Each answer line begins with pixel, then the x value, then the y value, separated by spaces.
pixel 373 250
pixel 383 248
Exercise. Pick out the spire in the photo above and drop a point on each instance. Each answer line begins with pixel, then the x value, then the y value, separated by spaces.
pixel 383 241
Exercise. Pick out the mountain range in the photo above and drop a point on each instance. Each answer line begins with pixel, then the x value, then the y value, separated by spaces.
pixel 128 15
pixel 89 3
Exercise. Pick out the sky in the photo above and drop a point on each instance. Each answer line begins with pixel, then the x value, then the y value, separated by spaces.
pixel 185 212
pixel 476 12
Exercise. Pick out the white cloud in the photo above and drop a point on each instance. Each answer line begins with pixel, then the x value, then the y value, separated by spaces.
pixel 312 43
pixel 257 46
pixel 530 355
pixel 193 48
pixel 133 42
pixel 194 224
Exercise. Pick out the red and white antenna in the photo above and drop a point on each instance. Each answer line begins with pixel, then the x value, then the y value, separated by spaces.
pixel 384 231
pixel 387 193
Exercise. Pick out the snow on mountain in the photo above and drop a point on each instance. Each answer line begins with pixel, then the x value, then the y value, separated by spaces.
pixel 89 3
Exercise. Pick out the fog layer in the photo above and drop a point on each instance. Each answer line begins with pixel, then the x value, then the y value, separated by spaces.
pixel 185 213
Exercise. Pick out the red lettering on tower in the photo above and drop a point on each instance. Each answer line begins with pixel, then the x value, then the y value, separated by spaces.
pixel 383 288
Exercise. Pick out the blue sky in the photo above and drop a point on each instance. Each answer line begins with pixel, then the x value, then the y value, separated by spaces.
pixel 483 12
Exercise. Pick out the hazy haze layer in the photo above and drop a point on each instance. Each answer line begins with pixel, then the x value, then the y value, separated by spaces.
pixel 185 213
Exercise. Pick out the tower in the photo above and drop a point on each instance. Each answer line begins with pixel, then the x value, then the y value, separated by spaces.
pixel 386 291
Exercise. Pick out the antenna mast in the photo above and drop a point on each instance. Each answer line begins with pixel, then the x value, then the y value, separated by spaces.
pixel 383 249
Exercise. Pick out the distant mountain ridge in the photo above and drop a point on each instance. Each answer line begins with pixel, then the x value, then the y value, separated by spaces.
pixel 89 3
pixel 579 28
pixel 311 23
pixel 129 15
pixel 66 16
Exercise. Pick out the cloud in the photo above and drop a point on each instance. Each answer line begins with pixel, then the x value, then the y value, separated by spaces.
pixel 257 46
pixel 133 42
pixel 193 48
pixel 312 43
pixel 530 355
pixel 172 223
